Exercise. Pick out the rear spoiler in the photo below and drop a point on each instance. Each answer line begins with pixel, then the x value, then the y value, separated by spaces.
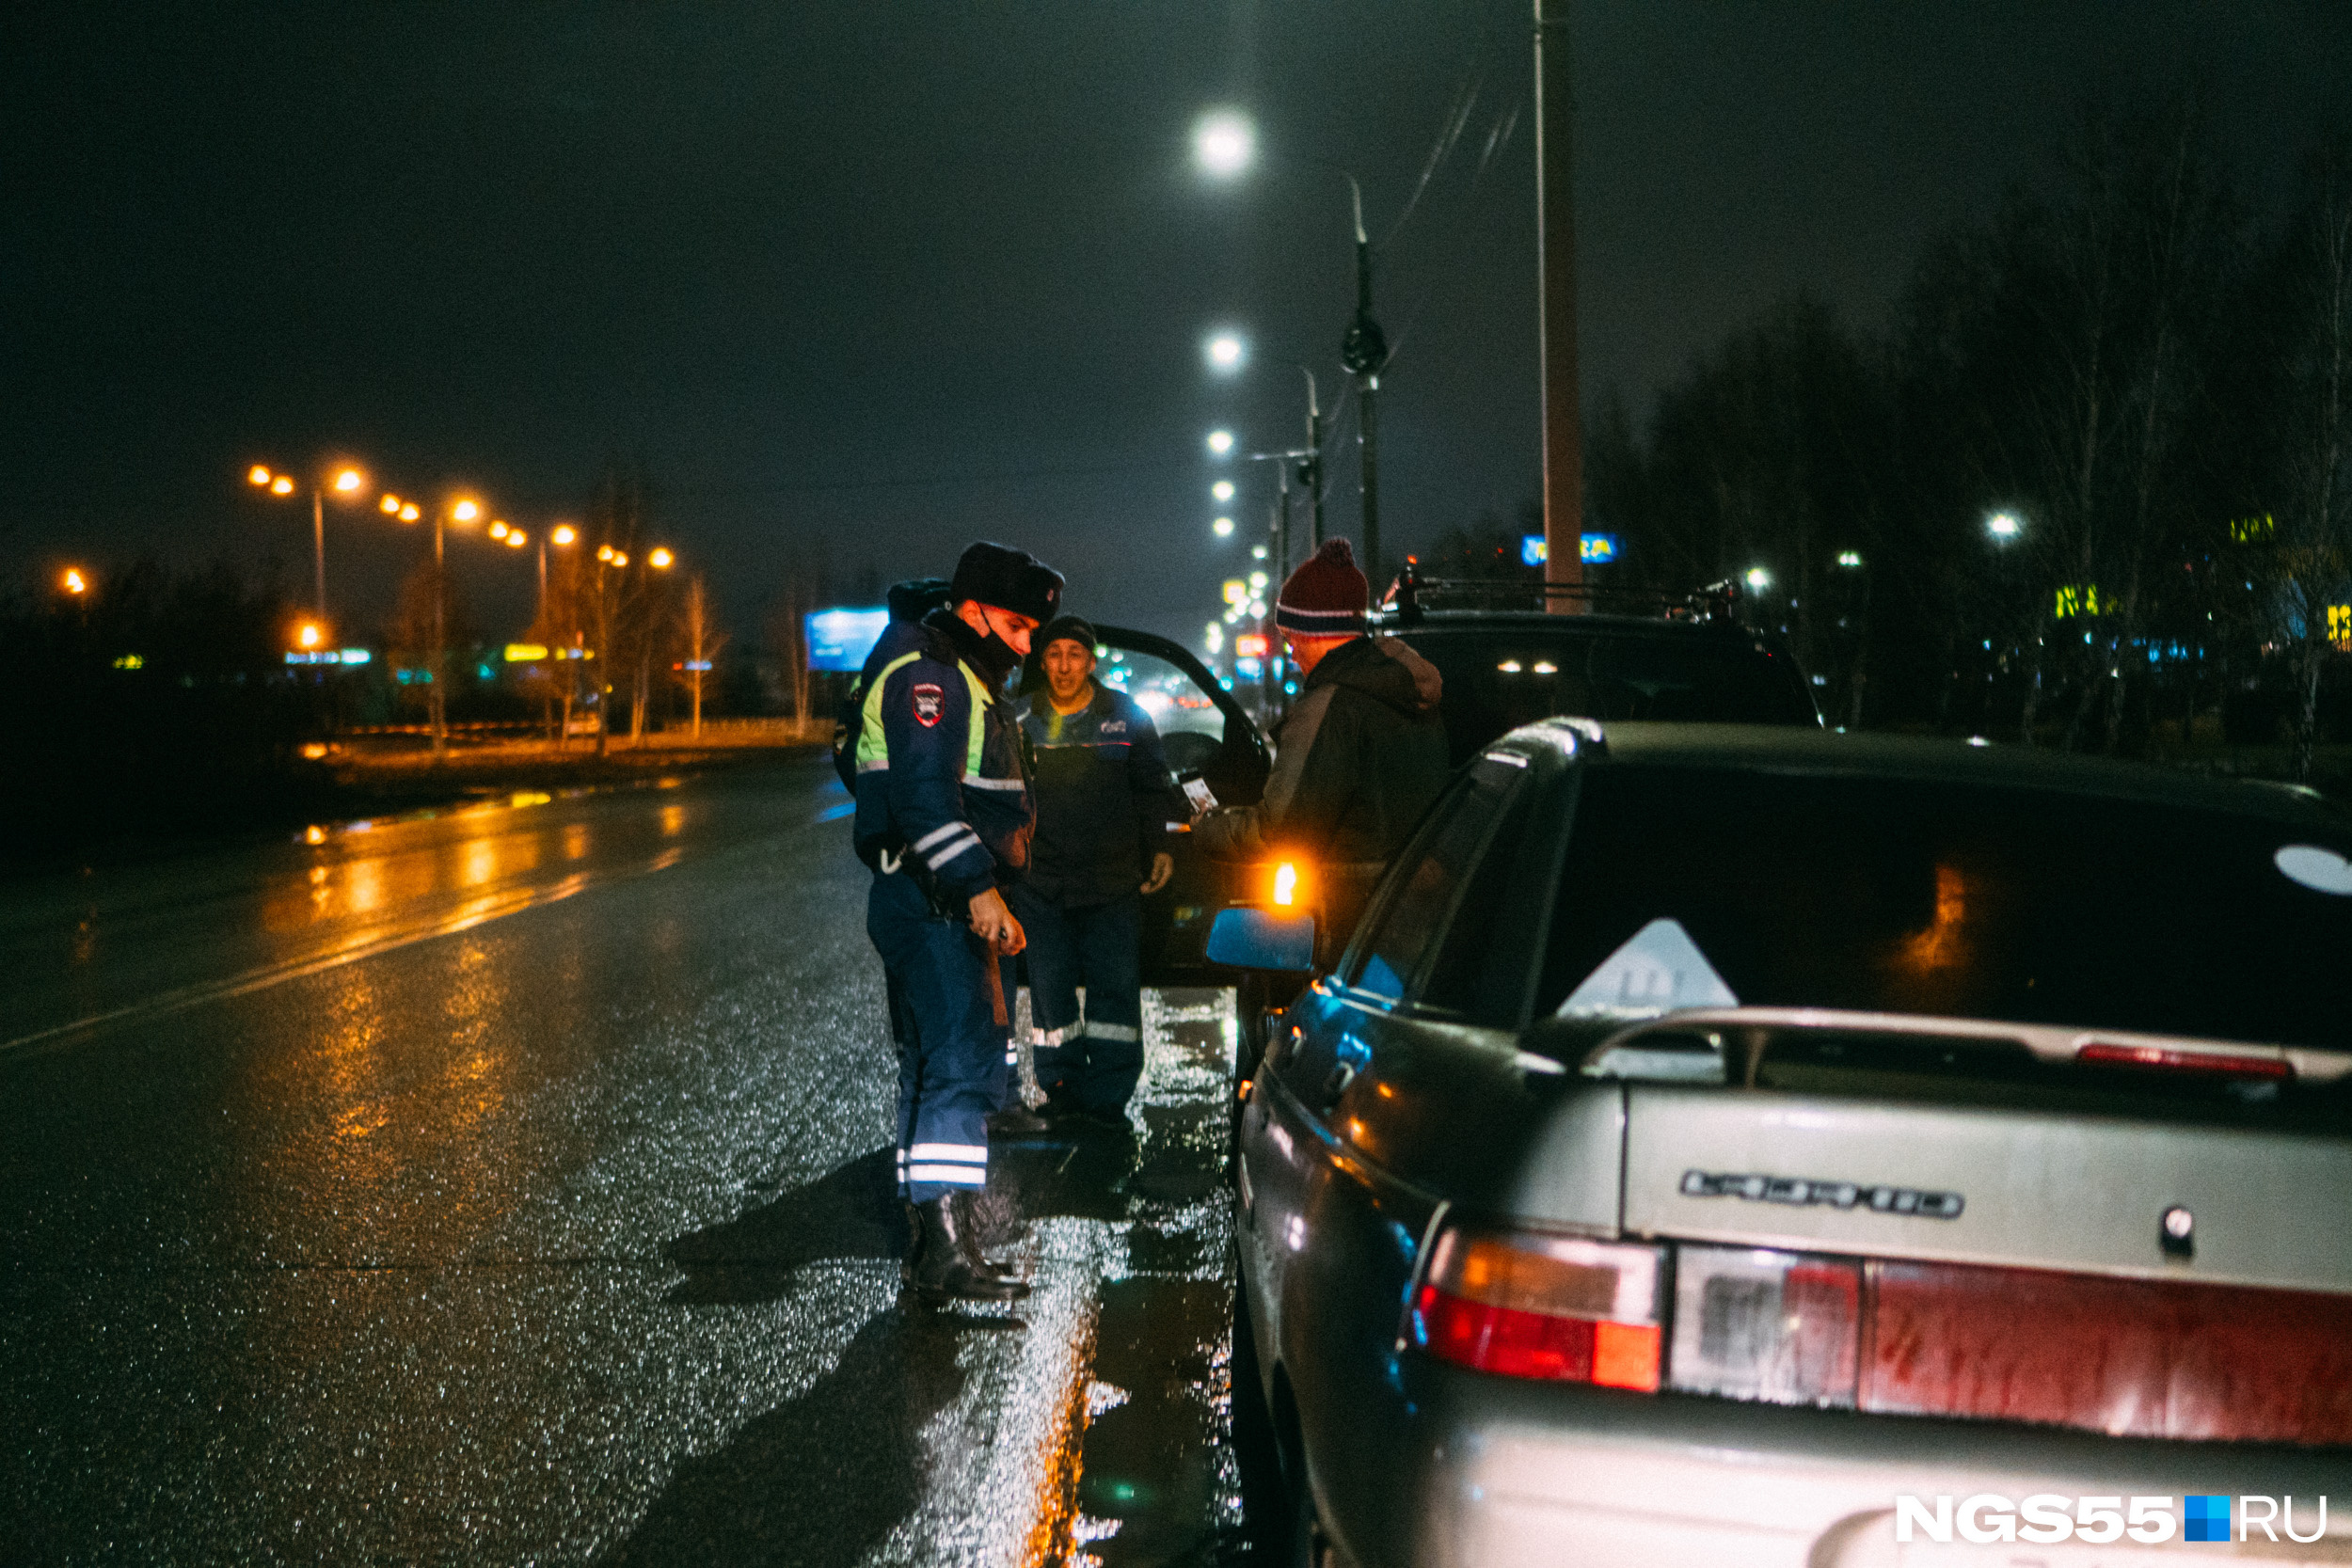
pixel 1726 1044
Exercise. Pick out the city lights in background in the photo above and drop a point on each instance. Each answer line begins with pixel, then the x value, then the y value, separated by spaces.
pixel 1224 352
pixel 1758 578
pixel 1220 442
pixel 1224 143
pixel 1222 490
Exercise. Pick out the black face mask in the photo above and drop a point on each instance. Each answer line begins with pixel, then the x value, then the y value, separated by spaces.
pixel 988 652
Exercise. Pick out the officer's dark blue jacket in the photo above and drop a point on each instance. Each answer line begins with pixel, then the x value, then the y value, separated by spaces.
pixel 1104 798
pixel 942 778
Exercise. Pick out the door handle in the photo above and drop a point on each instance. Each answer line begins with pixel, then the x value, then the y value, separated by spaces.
pixel 1337 1084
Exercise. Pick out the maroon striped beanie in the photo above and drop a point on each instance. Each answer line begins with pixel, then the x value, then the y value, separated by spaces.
pixel 1326 596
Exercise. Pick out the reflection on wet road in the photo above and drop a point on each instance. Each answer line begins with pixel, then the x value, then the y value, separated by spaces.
pixel 511 1184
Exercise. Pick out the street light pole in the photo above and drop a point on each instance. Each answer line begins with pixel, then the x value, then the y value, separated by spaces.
pixel 434 695
pixel 1310 468
pixel 1555 223
pixel 318 542
pixel 1364 350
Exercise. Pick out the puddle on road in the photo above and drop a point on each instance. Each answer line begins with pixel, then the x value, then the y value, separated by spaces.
pixel 1091 1424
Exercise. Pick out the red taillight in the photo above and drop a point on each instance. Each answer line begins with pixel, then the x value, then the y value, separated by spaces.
pixel 2138 1357
pixel 2131 1357
pixel 1543 1307
pixel 2225 1063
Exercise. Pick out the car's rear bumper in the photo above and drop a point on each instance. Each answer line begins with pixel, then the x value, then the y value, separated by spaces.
pixel 1515 1473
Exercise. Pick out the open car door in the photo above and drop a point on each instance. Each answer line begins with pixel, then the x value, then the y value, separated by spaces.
pixel 1210 740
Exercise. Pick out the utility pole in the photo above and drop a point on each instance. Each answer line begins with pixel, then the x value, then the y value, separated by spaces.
pixel 1363 351
pixel 1311 470
pixel 1555 211
pixel 434 695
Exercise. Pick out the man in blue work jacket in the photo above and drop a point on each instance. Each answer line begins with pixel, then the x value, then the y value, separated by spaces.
pixel 1105 801
pixel 944 818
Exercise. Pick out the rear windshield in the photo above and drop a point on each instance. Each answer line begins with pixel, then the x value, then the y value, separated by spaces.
pixel 1954 901
pixel 1497 680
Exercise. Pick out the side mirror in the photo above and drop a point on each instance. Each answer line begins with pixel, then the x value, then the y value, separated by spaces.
pixel 1242 937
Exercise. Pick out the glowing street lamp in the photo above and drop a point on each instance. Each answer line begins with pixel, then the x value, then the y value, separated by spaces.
pixel 74 582
pixel 1224 352
pixel 1220 442
pixel 1849 558
pixel 2003 527
pixel 409 512
pixel 1224 143
pixel 497 527
pixel 515 539
pixel 564 534
pixel 390 505
pixel 310 635
pixel 348 481
pixel 660 559
pixel 1758 578
pixel 1222 489
pixel 466 511
pixel 1222 528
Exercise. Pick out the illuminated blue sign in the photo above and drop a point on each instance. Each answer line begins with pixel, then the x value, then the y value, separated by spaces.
pixel 1534 551
pixel 841 639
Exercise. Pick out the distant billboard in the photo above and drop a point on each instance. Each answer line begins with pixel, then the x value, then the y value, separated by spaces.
pixel 841 639
pixel 1534 551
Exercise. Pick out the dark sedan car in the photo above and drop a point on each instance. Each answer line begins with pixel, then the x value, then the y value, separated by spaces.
pixel 1713 1137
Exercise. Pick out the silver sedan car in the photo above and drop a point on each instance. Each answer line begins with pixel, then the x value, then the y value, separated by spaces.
pixel 1734 1146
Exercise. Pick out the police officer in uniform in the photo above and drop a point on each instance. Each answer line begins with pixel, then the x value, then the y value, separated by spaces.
pixel 943 818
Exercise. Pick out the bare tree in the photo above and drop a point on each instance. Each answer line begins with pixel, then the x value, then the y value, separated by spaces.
pixel 700 640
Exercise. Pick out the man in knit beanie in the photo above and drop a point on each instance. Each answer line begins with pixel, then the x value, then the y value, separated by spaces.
pixel 1360 756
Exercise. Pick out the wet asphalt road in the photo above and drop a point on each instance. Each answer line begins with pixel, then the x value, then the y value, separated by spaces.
pixel 511 1184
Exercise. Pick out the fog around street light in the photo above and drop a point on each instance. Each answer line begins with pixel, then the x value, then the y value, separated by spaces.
pixel 1220 441
pixel 1224 143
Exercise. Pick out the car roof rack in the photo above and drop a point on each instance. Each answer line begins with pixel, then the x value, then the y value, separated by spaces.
pixel 1412 594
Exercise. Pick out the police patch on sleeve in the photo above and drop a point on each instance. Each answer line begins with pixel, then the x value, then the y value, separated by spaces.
pixel 930 703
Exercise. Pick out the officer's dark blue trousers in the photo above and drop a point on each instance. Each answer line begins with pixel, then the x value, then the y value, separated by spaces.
pixel 1092 945
pixel 951 1056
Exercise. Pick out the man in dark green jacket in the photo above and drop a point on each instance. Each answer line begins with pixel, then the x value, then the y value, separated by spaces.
pixel 1360 758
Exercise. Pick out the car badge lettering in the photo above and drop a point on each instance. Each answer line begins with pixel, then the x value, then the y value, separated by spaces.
pixel 1803 1192
pixel 930 703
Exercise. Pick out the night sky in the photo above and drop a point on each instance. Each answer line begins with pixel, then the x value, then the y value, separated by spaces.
pixel 858 282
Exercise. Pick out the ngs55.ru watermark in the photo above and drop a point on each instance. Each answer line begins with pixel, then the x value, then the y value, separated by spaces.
pixel 2046 1519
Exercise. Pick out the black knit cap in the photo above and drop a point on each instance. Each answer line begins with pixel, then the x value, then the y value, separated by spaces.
pixel 1074 628
pixel 1006 578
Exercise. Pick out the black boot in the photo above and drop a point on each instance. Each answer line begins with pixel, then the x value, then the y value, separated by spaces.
pixel 915 1243
pixel 1015 1121
pixel 948 1267
pixel 968 1226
